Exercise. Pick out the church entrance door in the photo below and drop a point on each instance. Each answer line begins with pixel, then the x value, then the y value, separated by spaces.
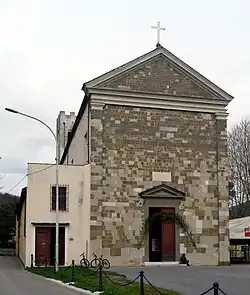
pixel 161 236
pixel 168 236
pixel 155 235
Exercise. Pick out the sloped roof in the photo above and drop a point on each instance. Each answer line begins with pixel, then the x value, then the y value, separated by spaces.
pixel 171 57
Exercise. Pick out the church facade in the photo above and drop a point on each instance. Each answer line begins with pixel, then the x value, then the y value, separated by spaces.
pixel 155 133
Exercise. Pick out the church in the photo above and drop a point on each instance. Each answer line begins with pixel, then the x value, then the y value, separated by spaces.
pixel 154 132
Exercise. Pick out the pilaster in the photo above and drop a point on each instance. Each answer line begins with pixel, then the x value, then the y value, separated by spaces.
pixel 96 159
pixel 222 189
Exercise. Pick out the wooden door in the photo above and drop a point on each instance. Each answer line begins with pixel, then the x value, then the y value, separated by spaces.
pixel 43 244
pixel 168 236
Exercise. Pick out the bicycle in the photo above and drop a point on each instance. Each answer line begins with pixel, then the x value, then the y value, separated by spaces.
pixel 96 262
pixel 84 261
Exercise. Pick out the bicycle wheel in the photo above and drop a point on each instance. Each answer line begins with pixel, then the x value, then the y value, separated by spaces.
pixel 105 263
pixel 84 262
pixel 95 263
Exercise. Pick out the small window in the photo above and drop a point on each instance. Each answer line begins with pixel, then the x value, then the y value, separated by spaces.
pixel 63 198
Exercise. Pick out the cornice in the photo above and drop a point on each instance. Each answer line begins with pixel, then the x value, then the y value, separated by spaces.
pixel 99 99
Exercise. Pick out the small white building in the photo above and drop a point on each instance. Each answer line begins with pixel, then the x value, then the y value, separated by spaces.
pixel 239 228
pixel 239 234
pixel 36 214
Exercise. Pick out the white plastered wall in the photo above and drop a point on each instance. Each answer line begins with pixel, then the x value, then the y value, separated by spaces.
pixel 77 234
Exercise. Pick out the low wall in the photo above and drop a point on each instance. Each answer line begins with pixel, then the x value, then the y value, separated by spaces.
pixel 7 252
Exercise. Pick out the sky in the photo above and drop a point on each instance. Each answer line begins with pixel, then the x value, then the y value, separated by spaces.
pixel 50 47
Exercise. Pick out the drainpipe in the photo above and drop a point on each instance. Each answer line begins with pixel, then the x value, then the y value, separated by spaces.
pixel 89 131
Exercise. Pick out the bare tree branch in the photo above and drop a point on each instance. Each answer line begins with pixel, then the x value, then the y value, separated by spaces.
pixel 239 166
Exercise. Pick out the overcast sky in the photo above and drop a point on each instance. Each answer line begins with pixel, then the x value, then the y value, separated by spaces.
pixel 48 48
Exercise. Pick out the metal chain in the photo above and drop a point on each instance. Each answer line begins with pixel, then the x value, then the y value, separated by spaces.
pixel 222 291
pixel 68 267
pixel 122 285
pixel 152 286
pixel 93 273
pixel 207 291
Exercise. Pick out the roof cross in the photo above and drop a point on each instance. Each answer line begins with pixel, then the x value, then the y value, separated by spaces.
pixel 158 28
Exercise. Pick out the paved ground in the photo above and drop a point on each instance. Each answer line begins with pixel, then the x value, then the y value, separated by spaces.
pixel 16 281
pixel 193 280
pixel 234 280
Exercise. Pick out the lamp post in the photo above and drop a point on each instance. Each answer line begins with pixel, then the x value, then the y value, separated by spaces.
pixel 57 180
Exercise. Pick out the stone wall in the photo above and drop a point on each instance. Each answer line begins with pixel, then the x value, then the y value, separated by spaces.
pixel 127 145
pixel 158 75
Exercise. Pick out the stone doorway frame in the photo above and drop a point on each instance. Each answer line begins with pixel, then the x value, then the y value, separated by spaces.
pixel 163 196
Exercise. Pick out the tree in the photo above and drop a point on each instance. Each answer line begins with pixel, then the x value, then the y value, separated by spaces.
pixel 1 177
pixel 7 218
pixel 239 168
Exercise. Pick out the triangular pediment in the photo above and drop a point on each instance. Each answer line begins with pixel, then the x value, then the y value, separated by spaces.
pixel 162 191
pixel 159 72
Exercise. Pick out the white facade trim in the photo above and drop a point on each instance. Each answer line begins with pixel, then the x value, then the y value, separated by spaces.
pixel 221 116
pixel 99 100
pixel 158 96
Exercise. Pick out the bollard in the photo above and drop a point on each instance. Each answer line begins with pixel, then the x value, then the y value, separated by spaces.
pixel 32 260
pixel 54 263
pixel 216 288
pixel 73 272
pixel 141 283
pixel 100 285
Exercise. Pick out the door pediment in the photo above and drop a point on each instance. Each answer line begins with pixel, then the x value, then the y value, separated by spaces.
pixel 162 191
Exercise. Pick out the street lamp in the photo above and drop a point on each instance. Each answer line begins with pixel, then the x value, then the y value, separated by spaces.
pixel 57 180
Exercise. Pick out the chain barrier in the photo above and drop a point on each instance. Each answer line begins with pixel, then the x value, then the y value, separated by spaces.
pixel 152 286
pixel 222 291
pixel 68 267
pixel 209 290
pixel 216 288
pixel 118 284
pixel 93 273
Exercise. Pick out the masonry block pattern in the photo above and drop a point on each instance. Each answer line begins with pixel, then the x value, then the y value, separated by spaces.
pixel 158 75
pixel 127 145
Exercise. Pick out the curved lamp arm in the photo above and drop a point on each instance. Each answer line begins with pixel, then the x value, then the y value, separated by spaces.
pixel 57 181
pixel 33 118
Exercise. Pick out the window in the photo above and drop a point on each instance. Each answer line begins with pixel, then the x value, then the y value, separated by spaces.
pixel 63 198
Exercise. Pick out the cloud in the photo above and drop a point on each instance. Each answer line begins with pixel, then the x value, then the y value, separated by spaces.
pixel 49 48
pixel 13 166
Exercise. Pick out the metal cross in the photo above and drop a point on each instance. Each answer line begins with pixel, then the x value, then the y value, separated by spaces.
pixel 158 28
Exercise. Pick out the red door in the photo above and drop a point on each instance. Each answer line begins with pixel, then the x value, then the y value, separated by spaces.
pixel 43 242
pixel 168 236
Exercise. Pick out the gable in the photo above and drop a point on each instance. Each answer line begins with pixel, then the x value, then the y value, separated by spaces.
pixel 162 191
pixel 157 76
pixel 159 72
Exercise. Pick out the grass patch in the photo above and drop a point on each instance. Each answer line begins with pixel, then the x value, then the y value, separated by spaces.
pixel 87 279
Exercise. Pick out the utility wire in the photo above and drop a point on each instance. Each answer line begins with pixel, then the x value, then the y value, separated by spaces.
pixel 22 179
